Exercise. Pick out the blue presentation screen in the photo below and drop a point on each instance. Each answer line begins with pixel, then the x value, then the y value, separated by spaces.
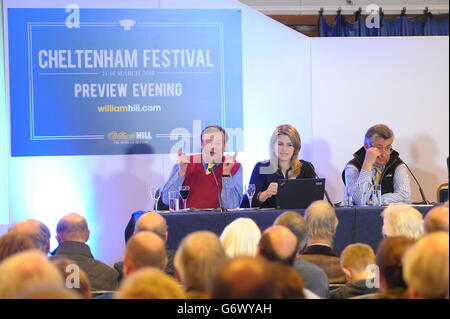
pixel 122 80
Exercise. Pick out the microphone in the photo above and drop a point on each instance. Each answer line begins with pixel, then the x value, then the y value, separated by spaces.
pixel 326 193
pixel 422 194
pixel 222 209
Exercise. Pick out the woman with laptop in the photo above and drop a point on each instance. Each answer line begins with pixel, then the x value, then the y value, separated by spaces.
pixel 285 145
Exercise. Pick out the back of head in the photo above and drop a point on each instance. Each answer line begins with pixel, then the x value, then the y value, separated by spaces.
pixel 288 282
pixel 357 257
pixel 296 224
pixel 426 266
pixel 322 221
pixel 241 237
pixel 198 257
pixel 47 291
pixel 153 222
pixel 11 244
pixel 73 274
pixel 72 227
pixel 437 219
pixel 146 249
pixel 25 269
pixel 378 130
pixel 244 278
pixel 389 260
pixel 35 230
pixel 150 283
pixel 279 244
pixel 402 220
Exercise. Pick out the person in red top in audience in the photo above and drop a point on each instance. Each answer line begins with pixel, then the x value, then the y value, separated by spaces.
pixel 215 180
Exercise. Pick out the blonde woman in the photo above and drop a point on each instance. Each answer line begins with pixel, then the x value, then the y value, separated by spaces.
pixel 285 145
pixel 241 237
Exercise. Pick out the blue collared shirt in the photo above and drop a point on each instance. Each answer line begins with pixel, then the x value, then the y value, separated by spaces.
pixel 231 187
pixel 402 191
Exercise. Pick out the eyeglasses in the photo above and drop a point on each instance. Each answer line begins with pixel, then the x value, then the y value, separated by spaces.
pixel 387 149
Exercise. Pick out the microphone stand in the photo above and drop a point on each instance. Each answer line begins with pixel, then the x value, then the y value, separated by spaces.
pixel 325 191
pixel 222 208
pixel 422 194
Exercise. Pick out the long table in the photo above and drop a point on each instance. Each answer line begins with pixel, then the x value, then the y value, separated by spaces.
pixel 356 224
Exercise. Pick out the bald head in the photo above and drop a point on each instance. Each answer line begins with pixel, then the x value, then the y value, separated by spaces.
pixel 36 231
pixel 278 243
pixel 244 278
pixel 436 219
pixel 144 249
pixel 153 222
pixel 72 227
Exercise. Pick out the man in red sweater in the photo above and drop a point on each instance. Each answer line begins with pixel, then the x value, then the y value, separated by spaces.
pixel 215 180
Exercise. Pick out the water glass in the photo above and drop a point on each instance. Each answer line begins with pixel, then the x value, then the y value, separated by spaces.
pixel 174 201
pixel 251 189
pixel 155 193
pixel 365 189
pixel 376 195
pixel 348 199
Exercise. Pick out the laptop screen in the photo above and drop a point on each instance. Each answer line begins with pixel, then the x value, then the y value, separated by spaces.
pixel 299 193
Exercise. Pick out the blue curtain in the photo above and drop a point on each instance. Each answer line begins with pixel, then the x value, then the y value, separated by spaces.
pixel 402 26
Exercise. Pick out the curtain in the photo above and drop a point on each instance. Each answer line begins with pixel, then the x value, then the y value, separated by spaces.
pixel 402 26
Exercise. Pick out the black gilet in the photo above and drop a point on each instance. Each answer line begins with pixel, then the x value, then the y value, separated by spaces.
pixel 387 178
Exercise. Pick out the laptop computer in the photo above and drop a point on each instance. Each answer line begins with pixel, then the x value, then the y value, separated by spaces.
pixel 299 193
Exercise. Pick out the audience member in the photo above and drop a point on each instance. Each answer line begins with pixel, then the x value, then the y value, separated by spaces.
pixel 289 284
pixel 75 276
pixel 425 267
pixel 389 261
pixel 25 269
pixel 198 257
pixel 436 219
pixel 357 263
pixel 278 244
pixel 241 237
pixel 322 223
pixel 155 223
pixel 11 244
pixel 47 291
pixel 315 278
pixel 150 283
pixel 72 233
pixel 36 231
pixel 402 220
pixel 145 249
pixel 244 277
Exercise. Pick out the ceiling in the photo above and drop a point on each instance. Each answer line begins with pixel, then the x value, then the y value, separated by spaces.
pixel 308 7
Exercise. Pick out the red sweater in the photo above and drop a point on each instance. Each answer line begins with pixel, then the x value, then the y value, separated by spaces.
pixel 204 191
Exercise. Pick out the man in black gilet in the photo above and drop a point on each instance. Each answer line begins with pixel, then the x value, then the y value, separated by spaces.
pixel 378 164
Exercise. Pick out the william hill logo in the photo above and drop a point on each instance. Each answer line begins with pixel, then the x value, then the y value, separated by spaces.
pixel 143 135
pixel 120 136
